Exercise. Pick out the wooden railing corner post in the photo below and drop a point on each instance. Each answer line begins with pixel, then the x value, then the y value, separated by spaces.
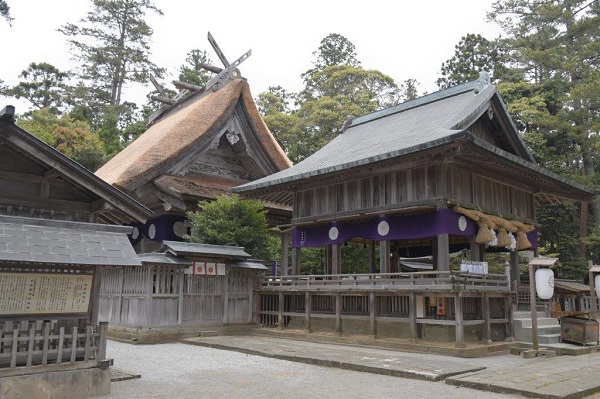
pixel 102 338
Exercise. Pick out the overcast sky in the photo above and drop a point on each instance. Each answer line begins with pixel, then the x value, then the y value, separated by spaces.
pixel 403 39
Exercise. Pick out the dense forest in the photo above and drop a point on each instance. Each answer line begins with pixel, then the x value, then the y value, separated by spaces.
pixel 546 66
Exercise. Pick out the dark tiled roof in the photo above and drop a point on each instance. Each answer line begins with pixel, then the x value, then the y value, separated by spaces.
pixel 249 264
pixel 163 259
pixel 64 243
pixel 413 126
pixel 193 249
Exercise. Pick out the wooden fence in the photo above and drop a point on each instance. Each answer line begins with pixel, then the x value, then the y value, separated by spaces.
pixel 26 344
pixel 166 295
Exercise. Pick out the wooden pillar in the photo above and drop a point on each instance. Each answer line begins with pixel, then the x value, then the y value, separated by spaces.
pixel 336 259
pixel 181 277
pixel 458 316
pixel 338 313
pixel 149 289
pixel 296 261
pixel 441 252
pixel 384 256
pixel 118 318
pixel 485 309
pixel 412 312
pixel 226 298
pixel 307 310
pixel 533 301
pixel 593 303
pixel 477 250
pixel 280 311
pixel 250 279
pixel 96 285
pixel 284 254
pixel 371 249
pixel 372 310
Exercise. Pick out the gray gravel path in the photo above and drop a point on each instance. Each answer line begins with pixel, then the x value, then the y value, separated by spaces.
pixel 185 371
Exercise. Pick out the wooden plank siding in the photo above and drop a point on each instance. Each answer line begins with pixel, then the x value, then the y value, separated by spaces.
pixel 165 295
pixel 416 185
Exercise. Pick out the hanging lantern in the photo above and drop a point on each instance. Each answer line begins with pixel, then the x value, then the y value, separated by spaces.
pixel 544 283
pixel 597 287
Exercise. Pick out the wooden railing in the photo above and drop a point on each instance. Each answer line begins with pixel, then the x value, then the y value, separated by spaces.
pixel 48 343
pixel 409 282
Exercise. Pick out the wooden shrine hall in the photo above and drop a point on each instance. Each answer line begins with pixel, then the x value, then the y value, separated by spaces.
pixel 430 176
pixel 204 141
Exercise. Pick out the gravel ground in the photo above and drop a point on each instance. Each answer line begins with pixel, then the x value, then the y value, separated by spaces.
pixel 185 371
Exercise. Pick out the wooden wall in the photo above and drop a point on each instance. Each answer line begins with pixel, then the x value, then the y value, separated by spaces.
pixel 416 185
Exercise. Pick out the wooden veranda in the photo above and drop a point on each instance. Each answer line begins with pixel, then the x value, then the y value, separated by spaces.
pixel 404 305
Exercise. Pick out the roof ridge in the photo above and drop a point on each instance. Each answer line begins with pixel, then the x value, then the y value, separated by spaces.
pixel 417 102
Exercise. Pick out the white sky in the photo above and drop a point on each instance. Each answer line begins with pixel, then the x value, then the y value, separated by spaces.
pixel 403 39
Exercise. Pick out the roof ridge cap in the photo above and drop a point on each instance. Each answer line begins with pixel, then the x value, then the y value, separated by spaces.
pixel 417 102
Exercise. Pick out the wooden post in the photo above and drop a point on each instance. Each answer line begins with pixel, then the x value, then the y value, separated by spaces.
pixel 307 309
pixel 250 278
pixel 103 332
pixel 149 288
pixel 487 327
pixel 181 277
pixel 371 248
pixel 280 311
pixel 121 283
pixel 226 298
pixel 384 256
pixel 534 329
pixel 593 303
pixel 458 315
pixel 96 285
pixel 414 332
pixel 284 254
pixel 336 255
pixel 476 250
pixel 441 252
pixel 372 310
pixel 296 261
pixel 338 313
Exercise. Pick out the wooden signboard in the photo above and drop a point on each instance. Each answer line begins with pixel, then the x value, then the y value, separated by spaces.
pixel 43 293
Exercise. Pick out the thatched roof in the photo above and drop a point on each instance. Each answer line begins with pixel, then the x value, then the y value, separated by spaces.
pixel 186 130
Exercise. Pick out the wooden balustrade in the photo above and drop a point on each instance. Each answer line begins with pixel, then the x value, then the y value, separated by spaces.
pixel 50 343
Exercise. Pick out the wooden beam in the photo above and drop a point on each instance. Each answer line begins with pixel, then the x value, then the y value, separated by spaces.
pixel 100 206
pixel 164 100
pixel 284 254
pixel 487 327
pixel 336 261
pixel 458 316
pixel 47 203
pixel 412 303
pixel 372 310
pixel 307 310
pixel 338 313
pixel 441 252
pixel 187 86
pixel 384 256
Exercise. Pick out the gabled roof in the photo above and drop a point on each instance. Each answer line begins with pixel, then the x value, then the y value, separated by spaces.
pixel 185 130
pixel 42 241
pixel 117 206
pixel 432 121
pixel 203 250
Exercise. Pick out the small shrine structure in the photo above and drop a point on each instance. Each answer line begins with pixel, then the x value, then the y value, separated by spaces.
pixel 430 176
pixel 60 226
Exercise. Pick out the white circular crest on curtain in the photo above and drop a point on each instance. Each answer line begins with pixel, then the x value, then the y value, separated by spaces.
pixel 383 228
pixel 462 223
pixel 333 233
pixel 179 229
pixel 135 233
pixel 152 231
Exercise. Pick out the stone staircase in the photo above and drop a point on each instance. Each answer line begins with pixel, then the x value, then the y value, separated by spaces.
pixel 548 336
pixel 548 328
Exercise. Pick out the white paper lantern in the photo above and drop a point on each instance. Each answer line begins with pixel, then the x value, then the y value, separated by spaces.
pixel 597 285
pixel 544 283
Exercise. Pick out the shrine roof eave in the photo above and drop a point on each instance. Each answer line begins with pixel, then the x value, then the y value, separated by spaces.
pixel 267 187
pixel 203 250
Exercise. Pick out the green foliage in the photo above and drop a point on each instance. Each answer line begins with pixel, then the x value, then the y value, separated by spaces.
pixel 5 11
pixel 230 220
pixel 192 72
pixel 68 135
pixel 112 44
pixel 472 54
pixel 43 85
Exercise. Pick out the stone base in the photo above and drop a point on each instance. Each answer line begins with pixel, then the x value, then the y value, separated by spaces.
pixel 42 383
pixel 164 334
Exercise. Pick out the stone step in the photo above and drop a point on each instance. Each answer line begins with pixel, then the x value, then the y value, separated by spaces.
pixel 546 321
pixel 524 334
pixel 526 314
pixel 208 334
pixel 546 339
